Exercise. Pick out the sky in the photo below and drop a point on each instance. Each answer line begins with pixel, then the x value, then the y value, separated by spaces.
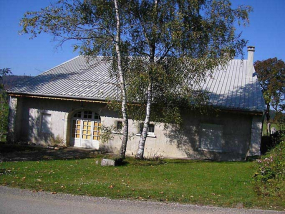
pixel 25 56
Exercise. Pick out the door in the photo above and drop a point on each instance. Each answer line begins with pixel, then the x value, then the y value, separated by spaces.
pixel 86 127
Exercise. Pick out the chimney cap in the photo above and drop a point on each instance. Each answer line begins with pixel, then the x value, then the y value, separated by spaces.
pixel 251 48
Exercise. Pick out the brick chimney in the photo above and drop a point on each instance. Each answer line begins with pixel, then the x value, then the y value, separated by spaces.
pixel 250 54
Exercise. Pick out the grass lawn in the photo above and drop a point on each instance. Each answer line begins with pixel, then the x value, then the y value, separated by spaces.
pixel 227 184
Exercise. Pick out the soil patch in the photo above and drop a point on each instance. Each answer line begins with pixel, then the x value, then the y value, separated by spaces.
pixel 14 152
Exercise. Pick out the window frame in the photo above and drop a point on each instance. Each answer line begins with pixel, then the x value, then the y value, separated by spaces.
pixel 89 126
pixel 149 134
pixel 117 124
pixel 207 129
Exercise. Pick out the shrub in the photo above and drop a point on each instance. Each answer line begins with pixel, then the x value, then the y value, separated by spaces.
pixel 270 176
pixel 56 141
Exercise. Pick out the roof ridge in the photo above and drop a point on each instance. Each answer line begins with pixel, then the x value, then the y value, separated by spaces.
pixel 59 65
pixel 34 77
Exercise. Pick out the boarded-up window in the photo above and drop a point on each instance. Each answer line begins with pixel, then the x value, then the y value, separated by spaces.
pixel 46 123
pixel 211 137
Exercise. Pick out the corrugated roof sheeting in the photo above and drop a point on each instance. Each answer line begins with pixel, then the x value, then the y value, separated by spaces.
pixel 74 78
pixel 229 87
pixel 232 88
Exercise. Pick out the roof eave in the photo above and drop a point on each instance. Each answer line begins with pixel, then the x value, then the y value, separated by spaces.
pixel 57 97
pixel 101 100
pixel 240 111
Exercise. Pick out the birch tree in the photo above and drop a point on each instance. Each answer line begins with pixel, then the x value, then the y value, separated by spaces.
pixel 96 27
pixel 191 36
pixel 166 46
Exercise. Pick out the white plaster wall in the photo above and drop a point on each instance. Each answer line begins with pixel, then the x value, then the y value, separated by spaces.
pixel 168 142
pixel 57 125
pixel 256 131
pixel 12 119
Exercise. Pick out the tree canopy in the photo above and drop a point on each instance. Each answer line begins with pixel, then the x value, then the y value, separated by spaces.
pixel 166 47
pixel 178 43
pixel 3 72
pixel 271 75
pixel 4 107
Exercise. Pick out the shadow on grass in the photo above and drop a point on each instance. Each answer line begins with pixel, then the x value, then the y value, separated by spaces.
pixel 13 152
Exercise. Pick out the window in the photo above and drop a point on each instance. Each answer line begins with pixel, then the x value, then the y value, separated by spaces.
pixel 76 128
pixel 86 130
pixel 150 130
pixel 78 114
pixel 119 126
pixel 96 116
pixel 46 123
pixel 211 137
pixel 86 125
pixel 87 115
pixel 96 130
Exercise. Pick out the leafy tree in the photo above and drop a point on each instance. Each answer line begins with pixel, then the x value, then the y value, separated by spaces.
pixel 4 108
pixel 271 75
pixel 3 72
pixel 166 47
pixel 175 43
pixel 96 26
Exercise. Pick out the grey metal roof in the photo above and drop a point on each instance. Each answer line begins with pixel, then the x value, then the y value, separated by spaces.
pixel 233 88
pixel 229 87
pixel 75 78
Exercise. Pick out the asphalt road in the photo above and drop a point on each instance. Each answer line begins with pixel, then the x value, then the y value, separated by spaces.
pixel 27 202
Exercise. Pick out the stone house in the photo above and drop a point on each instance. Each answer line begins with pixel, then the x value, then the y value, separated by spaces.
pixel 68 103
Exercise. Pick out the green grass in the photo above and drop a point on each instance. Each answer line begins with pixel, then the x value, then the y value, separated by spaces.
pixel 205 183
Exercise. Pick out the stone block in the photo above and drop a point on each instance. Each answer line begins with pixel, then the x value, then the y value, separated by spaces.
pixel 107 162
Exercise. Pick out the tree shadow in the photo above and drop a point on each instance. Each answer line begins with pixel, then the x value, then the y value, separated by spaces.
pixel 229 114
pixel 14 152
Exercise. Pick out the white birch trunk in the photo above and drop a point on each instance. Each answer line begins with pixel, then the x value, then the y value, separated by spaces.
pixel 143 137
pixel 122 84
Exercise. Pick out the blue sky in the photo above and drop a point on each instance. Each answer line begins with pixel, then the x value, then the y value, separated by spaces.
pixel 266 32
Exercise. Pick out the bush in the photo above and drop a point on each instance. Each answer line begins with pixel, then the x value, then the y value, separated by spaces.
pixel 270 176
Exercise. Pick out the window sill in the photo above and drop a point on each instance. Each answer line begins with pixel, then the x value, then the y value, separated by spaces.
pixel 117 132
pixel 151 135
pixel 211 150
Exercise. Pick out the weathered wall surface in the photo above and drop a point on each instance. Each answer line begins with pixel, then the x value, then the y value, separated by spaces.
pixel 233 137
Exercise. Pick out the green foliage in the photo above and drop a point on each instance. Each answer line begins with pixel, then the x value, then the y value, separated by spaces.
pixel 91 24
pixel 106 133
pixel 270 176
pixel 175 44
pixel 271 75
pixel 170 44
pixel 3 72
pixel 4 107
pixel 167 47
pixel 4 111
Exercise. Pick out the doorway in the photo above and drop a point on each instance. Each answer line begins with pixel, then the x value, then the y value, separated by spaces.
pixel 86 128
